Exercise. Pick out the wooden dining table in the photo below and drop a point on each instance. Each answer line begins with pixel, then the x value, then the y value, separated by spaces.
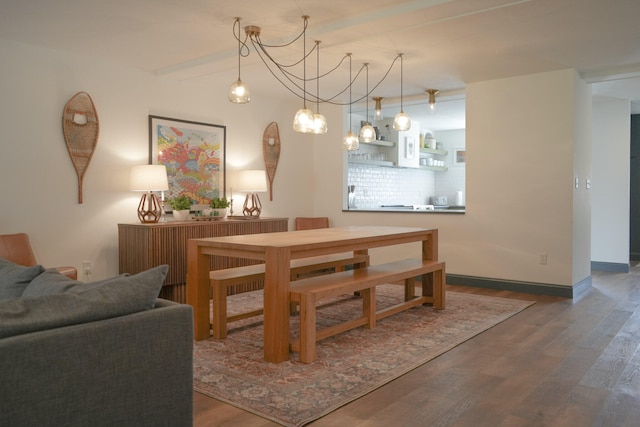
pixel 277 250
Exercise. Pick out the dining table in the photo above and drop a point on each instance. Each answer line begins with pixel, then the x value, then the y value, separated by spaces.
pixel 277 250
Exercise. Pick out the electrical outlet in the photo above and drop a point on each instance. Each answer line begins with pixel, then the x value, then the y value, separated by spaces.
pixel 543 259
pixel 86 268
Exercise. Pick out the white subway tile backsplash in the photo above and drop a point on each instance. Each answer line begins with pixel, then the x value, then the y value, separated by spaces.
pixel 376 186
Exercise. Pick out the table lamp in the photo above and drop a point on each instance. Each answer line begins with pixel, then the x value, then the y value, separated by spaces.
pixel 252 182
pixel 149 178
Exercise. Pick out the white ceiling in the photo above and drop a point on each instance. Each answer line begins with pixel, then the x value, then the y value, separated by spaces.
pixel 446 43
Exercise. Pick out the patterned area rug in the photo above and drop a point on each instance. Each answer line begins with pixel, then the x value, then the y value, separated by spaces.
pixel 348 365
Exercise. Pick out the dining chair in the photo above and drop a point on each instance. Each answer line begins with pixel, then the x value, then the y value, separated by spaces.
pixel 308 223
pixel 17 248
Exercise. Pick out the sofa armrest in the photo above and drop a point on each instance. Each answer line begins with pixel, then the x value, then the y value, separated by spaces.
pixel 70 272
pixel 133 370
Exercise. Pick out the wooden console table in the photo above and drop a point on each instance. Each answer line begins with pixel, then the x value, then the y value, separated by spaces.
pixel 143 246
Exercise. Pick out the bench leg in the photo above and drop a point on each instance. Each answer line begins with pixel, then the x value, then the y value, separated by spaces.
pixel 427 285
pixel 369 306
pixel 219 302
pixel 409 288
pixel 439 289
pixel 433 285
pixel 307 329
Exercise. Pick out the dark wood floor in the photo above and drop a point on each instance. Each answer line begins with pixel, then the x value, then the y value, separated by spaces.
pixel 559 363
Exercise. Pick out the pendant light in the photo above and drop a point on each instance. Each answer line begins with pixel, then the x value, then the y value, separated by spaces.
pixel 350 140
pixel 239 93
pixel 303 121
pixel 319 121
pixel 401 121
pixel 432 98
pixel 378 110
pixel 367 132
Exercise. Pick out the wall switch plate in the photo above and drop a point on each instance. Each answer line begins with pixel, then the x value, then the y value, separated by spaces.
pixel 543 259
pixel 86 268
pixel 577 182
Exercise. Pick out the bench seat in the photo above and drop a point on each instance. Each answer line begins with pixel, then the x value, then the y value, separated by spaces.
pixel 307 292
pixel 222 280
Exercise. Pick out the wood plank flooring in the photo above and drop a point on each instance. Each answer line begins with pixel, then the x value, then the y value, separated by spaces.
pixel 559 363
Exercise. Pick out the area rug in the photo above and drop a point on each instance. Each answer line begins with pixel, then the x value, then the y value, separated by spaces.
pixel 348 365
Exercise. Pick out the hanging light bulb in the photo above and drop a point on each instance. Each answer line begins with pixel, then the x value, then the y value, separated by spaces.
pixel 367 132
pixel 239 93
pixel 432 98
pixel 378 110
pixel 350 141
pixel 303 121
pixel 319 121
pixel 401 121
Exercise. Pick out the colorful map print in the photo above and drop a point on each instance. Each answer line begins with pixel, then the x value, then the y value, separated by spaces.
pixel 193 161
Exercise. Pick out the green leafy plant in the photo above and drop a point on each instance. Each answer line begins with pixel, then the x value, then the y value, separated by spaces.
pixel 180 203
pixel 219 203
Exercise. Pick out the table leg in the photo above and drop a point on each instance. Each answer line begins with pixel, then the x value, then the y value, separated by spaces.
pixel 364 252
pixel 430 246
pixel 429 252
pixel 276 304
pixel 198 289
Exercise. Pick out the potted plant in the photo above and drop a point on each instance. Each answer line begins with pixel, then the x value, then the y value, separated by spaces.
pixel 181 206
pixel 219 207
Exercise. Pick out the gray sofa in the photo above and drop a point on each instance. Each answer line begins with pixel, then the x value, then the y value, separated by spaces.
pixel 107 353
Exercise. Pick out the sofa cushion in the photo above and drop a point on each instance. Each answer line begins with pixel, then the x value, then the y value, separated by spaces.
pixel 14 278
pixel 51 281
pixel 76 302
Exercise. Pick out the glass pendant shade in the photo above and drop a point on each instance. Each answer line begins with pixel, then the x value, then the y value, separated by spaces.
pixel 239 93
pixel 303 121
pixel 367 133
pixel 378 110
pixel 319 124
pixel 401 121
pixel 350 141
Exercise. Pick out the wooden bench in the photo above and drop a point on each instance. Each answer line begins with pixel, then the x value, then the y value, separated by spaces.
pixel 222 280
pixel 307 292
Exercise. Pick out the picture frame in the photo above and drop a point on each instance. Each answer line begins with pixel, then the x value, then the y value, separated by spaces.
pixel 459 156
pixel 194 154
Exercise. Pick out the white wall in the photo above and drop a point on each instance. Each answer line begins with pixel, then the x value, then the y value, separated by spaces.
pixel 520 140
pixel 38 183
pixel 520 146
pixel 610 183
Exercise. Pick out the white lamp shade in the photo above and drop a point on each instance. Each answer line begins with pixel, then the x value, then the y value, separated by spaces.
pixel 252 181
pixel 149 178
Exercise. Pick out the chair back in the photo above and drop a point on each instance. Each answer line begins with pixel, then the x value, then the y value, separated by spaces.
pixel 308 223
pixel 17 248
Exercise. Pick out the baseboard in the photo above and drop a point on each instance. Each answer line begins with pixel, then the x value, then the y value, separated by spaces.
pixel 613 267
pixel 524 287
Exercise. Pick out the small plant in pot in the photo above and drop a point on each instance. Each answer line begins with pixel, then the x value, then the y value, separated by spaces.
pixel 181 206
pixel 219 207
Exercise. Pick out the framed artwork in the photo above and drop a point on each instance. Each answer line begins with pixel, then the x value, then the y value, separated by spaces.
pixel 194 154
pixel 459 157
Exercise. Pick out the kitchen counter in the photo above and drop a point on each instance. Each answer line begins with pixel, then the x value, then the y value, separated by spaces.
pixel 410 209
